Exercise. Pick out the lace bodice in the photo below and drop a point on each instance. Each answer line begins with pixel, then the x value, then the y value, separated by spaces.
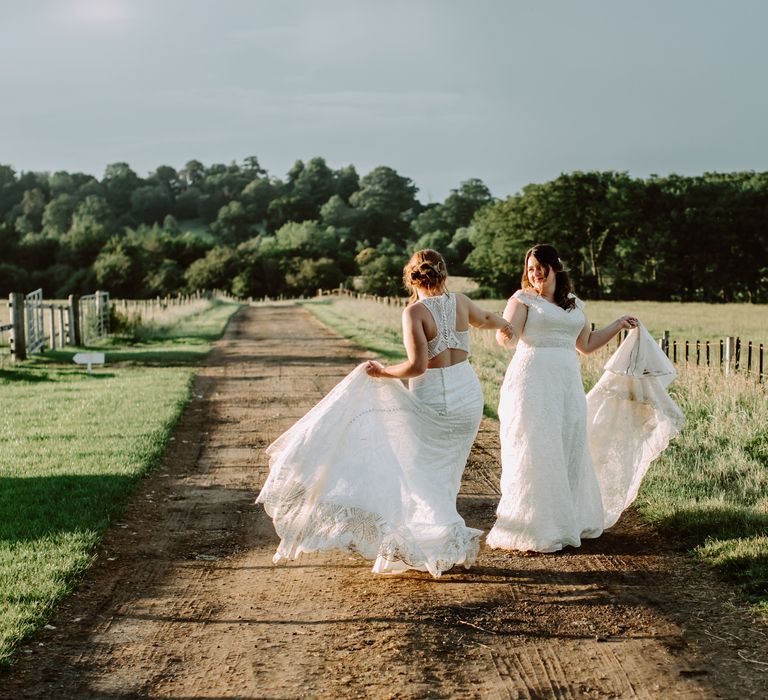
pixel 443 310
pixel 549 325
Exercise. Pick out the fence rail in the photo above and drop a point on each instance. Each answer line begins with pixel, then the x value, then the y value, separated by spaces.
pixel 82 319
pixel 731 354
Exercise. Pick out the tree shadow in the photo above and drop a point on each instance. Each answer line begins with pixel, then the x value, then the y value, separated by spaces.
pixel 36 507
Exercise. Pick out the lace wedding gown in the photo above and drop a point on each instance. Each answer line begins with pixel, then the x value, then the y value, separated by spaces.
pixel 375 468
pixel 571 464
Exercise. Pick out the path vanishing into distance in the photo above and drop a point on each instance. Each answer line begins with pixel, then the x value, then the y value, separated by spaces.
pixel 183 600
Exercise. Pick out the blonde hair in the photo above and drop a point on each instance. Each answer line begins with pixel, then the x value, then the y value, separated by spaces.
pixel 425 270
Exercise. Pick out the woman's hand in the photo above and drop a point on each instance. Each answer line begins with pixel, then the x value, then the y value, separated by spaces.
pixel 505 335
pixel 374 369
pixel 627 322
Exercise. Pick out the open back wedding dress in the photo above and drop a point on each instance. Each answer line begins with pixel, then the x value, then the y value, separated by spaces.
pixel 375 468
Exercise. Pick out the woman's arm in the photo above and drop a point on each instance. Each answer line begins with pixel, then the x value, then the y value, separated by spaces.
pixel 415 341
pixel 515 313
pixel 589 340
pixel 480 318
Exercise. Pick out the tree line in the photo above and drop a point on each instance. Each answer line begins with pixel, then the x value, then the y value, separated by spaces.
pixel 236 227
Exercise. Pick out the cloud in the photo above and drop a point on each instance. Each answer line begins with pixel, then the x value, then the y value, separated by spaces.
pixel 95 12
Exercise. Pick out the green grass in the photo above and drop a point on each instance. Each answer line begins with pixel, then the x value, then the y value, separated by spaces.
pixel 72 447
pixel 708 492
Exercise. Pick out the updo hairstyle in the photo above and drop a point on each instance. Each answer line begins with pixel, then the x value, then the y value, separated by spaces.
pixel 425 270
pixel 549 260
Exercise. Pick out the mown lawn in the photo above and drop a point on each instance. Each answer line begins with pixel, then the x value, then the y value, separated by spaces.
pixel 73 446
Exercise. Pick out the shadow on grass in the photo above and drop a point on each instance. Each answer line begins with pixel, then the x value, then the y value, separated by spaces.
pixel 22 375
pixel 164 358
pixel 36 507
pixel 693 525
pixel 731 540
pixel 165 352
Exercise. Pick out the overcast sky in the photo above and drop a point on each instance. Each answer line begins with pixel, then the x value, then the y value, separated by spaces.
pixel 508 91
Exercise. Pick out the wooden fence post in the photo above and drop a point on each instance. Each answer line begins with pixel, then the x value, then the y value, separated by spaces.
pixel 62 337
pixel 18 335
pixel 74 319
pixel 729 344
pixel 52 309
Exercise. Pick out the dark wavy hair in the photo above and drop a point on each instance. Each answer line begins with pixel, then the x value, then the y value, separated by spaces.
pixel 550 260
pixel 425 270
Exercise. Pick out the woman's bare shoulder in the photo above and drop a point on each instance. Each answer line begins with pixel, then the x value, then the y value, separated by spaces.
pixel 524 296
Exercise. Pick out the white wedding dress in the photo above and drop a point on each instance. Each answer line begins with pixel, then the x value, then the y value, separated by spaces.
pixel 571 464
pixel 375 468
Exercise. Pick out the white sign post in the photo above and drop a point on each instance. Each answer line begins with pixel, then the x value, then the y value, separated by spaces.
pixel 89 358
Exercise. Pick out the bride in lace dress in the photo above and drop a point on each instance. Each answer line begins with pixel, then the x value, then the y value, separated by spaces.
pixel 375 468
pixel 570 464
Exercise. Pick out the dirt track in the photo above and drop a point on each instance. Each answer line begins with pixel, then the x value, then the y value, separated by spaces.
pixel 183 600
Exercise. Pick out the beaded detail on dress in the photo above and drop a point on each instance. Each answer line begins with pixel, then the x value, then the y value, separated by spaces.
pixel 443 310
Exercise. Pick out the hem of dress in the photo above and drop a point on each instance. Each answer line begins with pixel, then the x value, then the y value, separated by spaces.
pixel 517 544
pixel 328 526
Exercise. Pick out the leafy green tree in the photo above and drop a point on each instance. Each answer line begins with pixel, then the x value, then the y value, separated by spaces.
pixel 13 279
pixel 32 208
pixel 187 204
pixel 252 168
pixel 9 189
pixel 74 184
pixel 151 203
pixel 118 268
pixel 313 184
pixel 305 277
pixel 437 240
pixel 9 241
pixel 170 225
pixel 307 239
pixel 81 281
pixel 456 211
pixel 458 251
pixel 256 197
pixel 500 234
pixel 167 179
pixel 215 271
pixel 57 216
pixel 387 203
pixel 119 183
pixel 164 279
pixel 288 208
pixel 90 229
pixel 381 269
pixel 347 182
pixel 192 174
pixel 591 210
pixel 463 203
pixel 37 251
pixel 233 225
pixel 261 268
pixel 346 223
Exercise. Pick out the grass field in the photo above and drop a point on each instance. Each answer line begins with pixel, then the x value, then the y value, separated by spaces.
pixel 709 490
pixel 72 446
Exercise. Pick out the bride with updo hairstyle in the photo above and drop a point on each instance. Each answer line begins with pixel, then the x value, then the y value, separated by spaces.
pixel 375 468
pixel 426 270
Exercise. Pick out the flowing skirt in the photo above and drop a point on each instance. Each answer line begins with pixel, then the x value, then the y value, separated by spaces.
pixel 375 468
pixel 572 464
pixel 550 497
